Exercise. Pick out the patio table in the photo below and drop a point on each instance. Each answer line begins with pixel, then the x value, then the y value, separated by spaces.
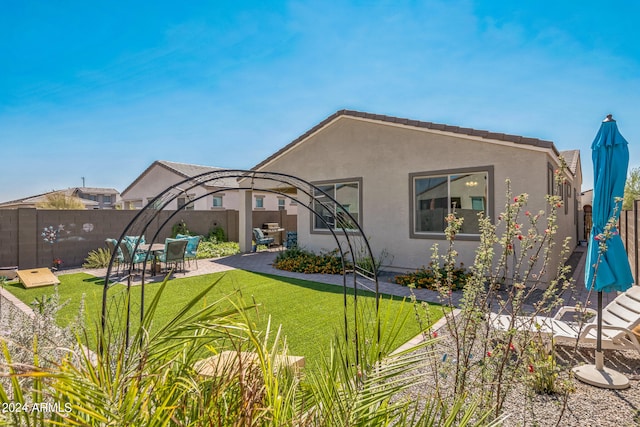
pixel 154 249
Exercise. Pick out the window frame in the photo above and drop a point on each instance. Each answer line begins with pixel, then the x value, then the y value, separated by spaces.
pixel 213 201
pixel 439 235
pixel 186 202
pixel 261 199
pixel 335 182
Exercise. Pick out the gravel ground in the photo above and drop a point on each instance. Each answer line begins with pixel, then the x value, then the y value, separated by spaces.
pixel 587 406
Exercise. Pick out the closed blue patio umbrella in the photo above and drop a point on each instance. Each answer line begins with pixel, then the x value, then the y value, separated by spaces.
pixel 609 270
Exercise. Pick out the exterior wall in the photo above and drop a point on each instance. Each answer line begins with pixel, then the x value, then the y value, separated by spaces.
pixel 104 200
pixel 270 202
pixel 159 179
pixel 383 156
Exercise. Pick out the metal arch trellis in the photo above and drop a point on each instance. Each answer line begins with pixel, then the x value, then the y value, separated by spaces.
pixel 346 231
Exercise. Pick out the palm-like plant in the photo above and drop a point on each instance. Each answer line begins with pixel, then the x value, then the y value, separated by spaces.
pixel 154 381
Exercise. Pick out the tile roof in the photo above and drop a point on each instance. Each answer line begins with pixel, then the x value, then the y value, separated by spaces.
pixel 96 190
pixel 571 157
pixel 186 170
pixel 30 200
pixel 413 123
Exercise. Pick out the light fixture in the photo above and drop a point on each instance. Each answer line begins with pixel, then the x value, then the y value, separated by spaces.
pixel 471 183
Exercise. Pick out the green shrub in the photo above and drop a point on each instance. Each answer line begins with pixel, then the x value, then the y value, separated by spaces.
pixel 98 259
pixel 216 250
pixel 180 228
pixel 428 278
pixel 217 235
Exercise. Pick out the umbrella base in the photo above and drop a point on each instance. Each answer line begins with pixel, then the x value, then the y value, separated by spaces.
pixel 603 378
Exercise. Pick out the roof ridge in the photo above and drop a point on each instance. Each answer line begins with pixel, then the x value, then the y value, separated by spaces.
pixel 517 139
pixel 187 164
pixel 444 127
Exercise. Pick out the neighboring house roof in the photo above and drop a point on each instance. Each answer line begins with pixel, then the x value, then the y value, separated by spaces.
pixel 572 158
pixel 414 124
pixel 95 190
pixel 184 170
pixel 31 201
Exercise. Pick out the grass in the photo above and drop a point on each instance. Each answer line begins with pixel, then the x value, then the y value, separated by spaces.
pixel 310 313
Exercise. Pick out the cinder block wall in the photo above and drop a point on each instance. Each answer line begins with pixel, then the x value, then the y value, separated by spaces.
pixel 8 237
pixel 630 234
pixel 22 243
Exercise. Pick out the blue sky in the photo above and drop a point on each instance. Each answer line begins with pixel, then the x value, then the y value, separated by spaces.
pixel 102 89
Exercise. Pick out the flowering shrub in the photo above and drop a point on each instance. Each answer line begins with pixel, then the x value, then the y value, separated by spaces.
pixel 427 277
pixel 302 261
pixel 512 262
pixel 542 371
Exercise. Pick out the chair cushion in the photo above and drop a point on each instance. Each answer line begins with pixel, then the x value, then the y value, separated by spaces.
pixel 636 332
pixel 192 244
pixel 132 240
pixel 113 245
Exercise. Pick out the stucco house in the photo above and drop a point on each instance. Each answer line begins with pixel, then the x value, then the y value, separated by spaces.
pixel 400 178
pixel 161 174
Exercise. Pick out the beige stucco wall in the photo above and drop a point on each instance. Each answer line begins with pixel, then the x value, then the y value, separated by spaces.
pixel 383 155
pixel 158 179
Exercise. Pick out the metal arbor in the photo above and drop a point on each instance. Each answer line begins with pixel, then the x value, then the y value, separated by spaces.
pixel 358 265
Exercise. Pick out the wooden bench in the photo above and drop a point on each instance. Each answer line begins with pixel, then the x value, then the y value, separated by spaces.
pixel 231 361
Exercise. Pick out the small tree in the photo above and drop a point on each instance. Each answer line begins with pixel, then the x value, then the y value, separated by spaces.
pixel 61 201
pixel 631 189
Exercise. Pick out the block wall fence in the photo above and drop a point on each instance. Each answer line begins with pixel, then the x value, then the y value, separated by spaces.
pixel 630 234
pixel 81 231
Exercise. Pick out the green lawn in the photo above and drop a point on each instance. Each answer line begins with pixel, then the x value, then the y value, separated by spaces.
pixel 310 313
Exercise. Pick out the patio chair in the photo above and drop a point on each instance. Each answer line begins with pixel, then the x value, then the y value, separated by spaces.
pixel 112 245
pixel 174 252
pixel 130 258
pixel 292 240
pixel 192 247
pixel 619 318
pixel 260 239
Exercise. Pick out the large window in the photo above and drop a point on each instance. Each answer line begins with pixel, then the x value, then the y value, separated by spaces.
pixel 434 196
pixel 332 215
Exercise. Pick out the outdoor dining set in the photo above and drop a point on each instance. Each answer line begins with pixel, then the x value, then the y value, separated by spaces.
pixel 173 253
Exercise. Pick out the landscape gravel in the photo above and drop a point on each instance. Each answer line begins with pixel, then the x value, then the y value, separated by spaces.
pixel 586 406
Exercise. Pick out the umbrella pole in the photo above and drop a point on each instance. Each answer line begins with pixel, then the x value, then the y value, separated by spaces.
pixel 599 355
pixel 597 375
